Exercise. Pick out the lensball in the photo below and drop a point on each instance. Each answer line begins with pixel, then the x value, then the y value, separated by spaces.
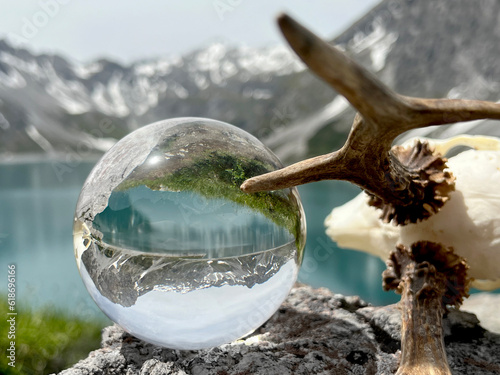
pixel 172 250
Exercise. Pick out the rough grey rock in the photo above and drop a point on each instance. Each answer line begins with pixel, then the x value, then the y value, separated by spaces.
pixel 313 332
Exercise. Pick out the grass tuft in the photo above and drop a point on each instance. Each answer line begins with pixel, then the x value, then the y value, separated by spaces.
pixel 47 340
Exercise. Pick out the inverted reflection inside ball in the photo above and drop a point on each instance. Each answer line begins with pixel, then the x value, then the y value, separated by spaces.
pixel 171 249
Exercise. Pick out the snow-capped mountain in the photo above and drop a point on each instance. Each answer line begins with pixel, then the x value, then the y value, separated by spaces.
pixel 439 48
pixel 50 104
pixel 443 48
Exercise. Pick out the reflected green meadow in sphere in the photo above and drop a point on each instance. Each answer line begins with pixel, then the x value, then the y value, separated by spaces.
pixel 172 250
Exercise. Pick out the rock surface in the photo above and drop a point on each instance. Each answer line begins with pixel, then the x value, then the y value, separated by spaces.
pixel 314 332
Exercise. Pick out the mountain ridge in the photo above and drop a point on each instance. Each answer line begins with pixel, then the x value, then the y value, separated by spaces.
pixel 48 104
pixel 444 48
pixel 434 49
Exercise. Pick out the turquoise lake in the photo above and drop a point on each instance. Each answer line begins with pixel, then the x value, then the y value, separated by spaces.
pixel 37 202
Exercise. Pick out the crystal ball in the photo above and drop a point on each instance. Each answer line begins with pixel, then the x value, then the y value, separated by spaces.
pixel 172 250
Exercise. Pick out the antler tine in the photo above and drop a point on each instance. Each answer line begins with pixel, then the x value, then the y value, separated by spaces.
pixel 315 169
pixel 447 111
pixel 375 101
pixel 362 89
pixel 363 160
pixel 408 184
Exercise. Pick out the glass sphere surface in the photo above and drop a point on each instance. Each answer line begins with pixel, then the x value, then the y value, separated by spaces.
pixel 171 249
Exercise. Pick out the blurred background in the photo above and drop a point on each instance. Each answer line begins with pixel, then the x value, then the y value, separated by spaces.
pixel 77 76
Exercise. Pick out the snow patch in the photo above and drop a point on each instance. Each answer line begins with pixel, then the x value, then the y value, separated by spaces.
pixel 150 69
pixel 380 52
pixel 70 95
pixel 143 94
pixel 222 63
pixel 120 108
pixel 164 66
pixel 277 60
pixel 66 99
pixel 209 59
pixel 13 79
pixel 145 69
pixel 100 101
pixel 108 99
pixel 259 94
pixel 201 81
pixel 228 69
pixel 180 91
pixel 4 123
pixel 30 67
pixel 88 70
pixel 39 139
pixel 379 43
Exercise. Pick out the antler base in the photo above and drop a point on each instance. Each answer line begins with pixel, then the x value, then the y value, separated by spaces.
pixel 429 278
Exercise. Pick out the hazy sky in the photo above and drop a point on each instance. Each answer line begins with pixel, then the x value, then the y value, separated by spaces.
pixel 126 30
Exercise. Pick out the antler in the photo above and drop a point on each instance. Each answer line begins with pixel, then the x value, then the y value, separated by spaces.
pixel 410 184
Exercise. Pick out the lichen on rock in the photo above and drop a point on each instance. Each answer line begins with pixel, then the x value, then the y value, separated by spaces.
pixel 314 332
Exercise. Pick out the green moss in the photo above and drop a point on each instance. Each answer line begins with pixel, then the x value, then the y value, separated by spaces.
pixel 47 340
pixel 220 174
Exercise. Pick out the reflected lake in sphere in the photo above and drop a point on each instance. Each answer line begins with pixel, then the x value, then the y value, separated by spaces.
pixel 171 249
